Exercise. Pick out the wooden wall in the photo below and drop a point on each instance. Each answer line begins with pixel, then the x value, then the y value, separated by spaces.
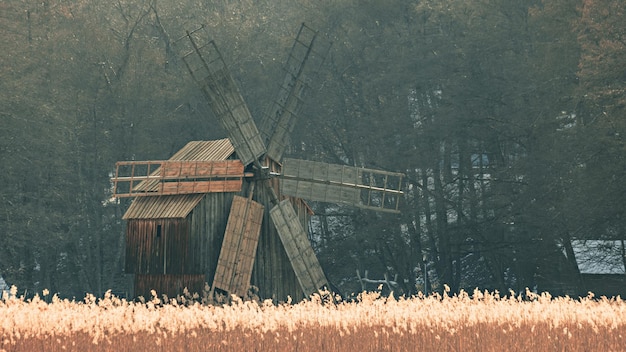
pixel 272 272
pixel 208 224
pixel 165 253
pixel 609 285
pixel 185 248
pixel 158 246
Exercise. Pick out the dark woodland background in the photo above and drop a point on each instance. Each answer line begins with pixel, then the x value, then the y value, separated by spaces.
pixel 508 117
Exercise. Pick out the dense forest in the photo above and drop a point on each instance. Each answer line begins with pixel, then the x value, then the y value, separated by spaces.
pixel 507 116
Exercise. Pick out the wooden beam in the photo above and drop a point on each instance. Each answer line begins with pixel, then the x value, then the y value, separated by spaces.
pixel 234 265
pixel 169 177
pixel 296 243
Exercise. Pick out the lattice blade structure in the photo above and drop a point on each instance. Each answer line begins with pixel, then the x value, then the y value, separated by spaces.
pixel 360 187
pixel 208 69
pixel 234 265
pixel 170 177
pixel 279 121
pixel 296 243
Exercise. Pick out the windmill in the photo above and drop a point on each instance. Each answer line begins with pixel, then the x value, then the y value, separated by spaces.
pixel 248 165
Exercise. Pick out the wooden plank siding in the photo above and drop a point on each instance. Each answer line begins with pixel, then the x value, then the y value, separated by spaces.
pixel 192 232
pixel 232 112
pixel 197 169
pixel 609 285
pixel 216 151
pixel 158 246
pixel 192 187
pixel 272 273
pixel 208 224
pixel 165 207
pixel 188 246
pixel 236 258
pixel 135 178
pixel 356 186
pixel 298 247
pixel 208 69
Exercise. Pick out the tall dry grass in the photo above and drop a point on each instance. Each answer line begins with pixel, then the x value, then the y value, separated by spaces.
pixel 478 322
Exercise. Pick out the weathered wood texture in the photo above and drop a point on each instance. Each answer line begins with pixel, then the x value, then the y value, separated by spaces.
pixel 158 246
pixel 191 187
pixel 320 181
pixel 196 169
pixel 360 187
pixel 208 225
pixel 609 285
pixel 170 177
pixel 165 207
pixel 280 120
pixel 298 248
pixel 234 266
pixel 191 237
pixel 272 272
pixel 188 245
pixel 208 69
pixel 228 105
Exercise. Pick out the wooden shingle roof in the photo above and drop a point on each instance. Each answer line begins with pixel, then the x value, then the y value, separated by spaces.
pixel 219 149
pixel 162 207
pixel 178 206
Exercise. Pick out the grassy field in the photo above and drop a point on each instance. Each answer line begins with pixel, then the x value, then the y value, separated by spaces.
pixel 466 322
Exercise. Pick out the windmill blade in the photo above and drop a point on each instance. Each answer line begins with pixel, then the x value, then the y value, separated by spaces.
pixel 234 265
pixel 296 243
pixel 208 69
pixel 360 187
pixel 280 120
pixel 170 177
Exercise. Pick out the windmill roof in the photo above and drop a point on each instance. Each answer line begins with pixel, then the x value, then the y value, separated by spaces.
pixel 219 149
pixel 177 206
pixel 162 207
pixel 599 256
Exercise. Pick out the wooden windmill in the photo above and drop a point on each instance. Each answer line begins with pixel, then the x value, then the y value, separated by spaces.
pixel 243 184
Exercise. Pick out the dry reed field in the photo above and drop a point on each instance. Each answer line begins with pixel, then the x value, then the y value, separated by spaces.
pixel 477 322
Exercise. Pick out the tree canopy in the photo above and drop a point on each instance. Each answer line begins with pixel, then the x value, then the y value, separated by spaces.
pixel 508 118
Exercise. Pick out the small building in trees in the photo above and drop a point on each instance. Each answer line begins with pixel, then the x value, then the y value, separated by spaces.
pixel 601 266
pixel 230 212
pixel 173 241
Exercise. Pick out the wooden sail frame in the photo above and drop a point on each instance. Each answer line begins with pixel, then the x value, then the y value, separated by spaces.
pixel 207 67
pixel 279 121
pixel 324 182
pixel 365 188
pixel 298 247
pixel 171 177
pixel 236 259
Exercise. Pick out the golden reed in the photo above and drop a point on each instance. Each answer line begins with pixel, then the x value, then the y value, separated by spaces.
pixel 480 321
